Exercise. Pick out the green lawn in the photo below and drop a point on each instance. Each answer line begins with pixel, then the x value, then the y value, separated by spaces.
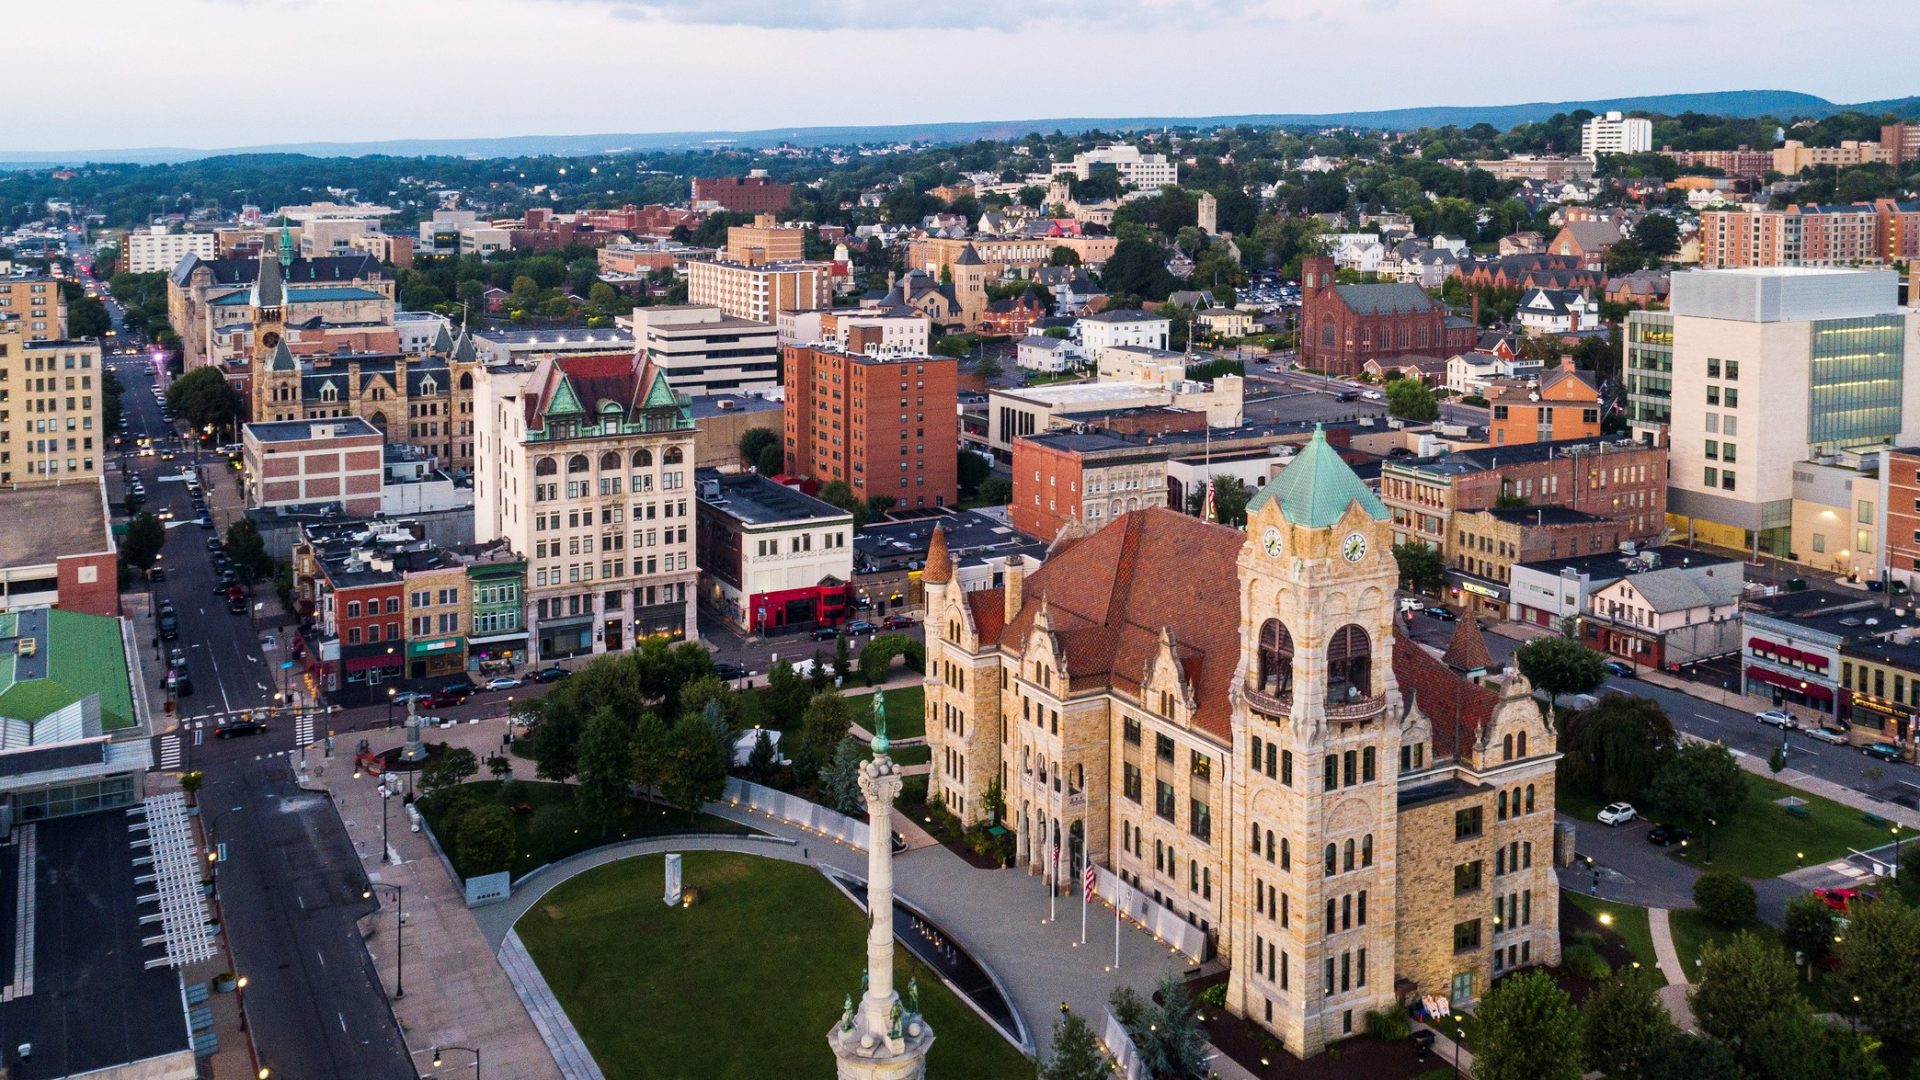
pixel 906 712
pixel 1692 931
pixel 911 755
pixel 1576 804
pixel 778 950
pixel 555 829
pixel 1766 841
pixel 1631 924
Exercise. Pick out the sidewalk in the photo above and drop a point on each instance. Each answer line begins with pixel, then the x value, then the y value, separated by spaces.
pixel 456 991
pixel 1674 994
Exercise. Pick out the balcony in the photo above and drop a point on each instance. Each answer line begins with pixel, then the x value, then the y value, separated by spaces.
pixel 1275 705
pixel 1358 710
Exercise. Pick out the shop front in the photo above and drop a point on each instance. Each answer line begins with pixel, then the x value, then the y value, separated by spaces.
pixel 1889 721
pixel 497 654
pixel 438 656
pixel 1797 690
pixel 562 638
pixel 362 679
pixel 664 621
pixel 1480 599
pixel 792 611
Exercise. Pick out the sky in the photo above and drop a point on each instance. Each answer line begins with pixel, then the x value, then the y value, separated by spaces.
pixel 216 73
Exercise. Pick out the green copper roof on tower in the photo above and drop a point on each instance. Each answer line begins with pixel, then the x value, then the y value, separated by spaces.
pixel 1316 487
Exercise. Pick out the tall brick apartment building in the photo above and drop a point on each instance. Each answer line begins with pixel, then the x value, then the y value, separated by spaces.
pixel 1344 326
pixel 886 425
pixel 742 194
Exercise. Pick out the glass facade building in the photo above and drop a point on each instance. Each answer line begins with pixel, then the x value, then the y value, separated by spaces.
pixel 1649 370
pixel 1854 382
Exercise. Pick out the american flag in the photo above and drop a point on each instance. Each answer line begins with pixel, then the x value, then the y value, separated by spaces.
pixel 1208 513
pixel 1088 878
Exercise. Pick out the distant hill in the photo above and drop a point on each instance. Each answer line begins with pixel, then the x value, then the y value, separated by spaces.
pixel 1741 103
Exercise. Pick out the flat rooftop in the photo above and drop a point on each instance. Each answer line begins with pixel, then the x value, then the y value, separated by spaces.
pixel 1065 396
pixel 712 405
pixel 95 1004
pixel 1611 565
pixel 75 656
pixel 342 427
pixel 972 537
pixel 752 499
pixel 1091 442
pixel 38 525
pixel 1851 618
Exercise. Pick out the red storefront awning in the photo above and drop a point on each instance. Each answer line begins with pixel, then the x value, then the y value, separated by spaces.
pixel 365 663
pixel 1788 682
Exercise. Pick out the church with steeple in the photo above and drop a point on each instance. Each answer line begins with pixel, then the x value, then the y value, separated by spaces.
pixel 424 401
pixel 1229 722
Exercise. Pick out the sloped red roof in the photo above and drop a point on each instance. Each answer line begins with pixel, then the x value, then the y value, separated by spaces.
pixel 989 607
pixel 1468 649
pixel 1110 595
pixel 1456 706
pixel 624 380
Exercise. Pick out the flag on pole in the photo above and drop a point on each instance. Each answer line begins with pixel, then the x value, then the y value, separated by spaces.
pixel 1089 882
pixel 1208 513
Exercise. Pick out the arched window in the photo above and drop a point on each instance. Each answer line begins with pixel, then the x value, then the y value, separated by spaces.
pixel 1286 854
pixel 643 459
pixel 609 461
pixel 378 420
pixel 1503 806
pixel 1506 748
pixel 1333 855
pixel 546 466
pixel 329 392
pixel 1276 658
pixel 1349 665
pixel 577 464
pixel 673 456
pixel 1270 845
pixel 1327 332
pixel 1346 863
pixel 466 380
pixel 1529 798
pixel 1522 743
pixel 1366 850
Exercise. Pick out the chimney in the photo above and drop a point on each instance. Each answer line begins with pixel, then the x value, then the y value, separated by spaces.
pixel 1476 308
pixel 1015 578
pixel 1566 362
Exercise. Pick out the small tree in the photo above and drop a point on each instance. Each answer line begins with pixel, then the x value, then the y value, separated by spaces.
pixel 763 759
pixel 1808 928
pixel 606 761
pixel 1777 761
pixel 1880 969
pixel 1076 1053
pixel 787 696
pixel 1798 1045
pixel 556 743
pixel 843 656
pixel 499 766
pixel 1560 666
pixel 1411 399
pixel 996 491
pixel 1615 749
pixel 756 441
pixel 840 780
pixel 191 783
pixel 696 765
pixel 1725 898
pixel 771 462
pixel 821 729
pixel 1529 1030
pixel 817 678
pixel 647 760
pixel 1741 984
pixel 140 547
pixel 1694 1057
pixel 1422 569
pixel 1171 1040
pixel 450 769
pixel 484 838
pixel 1626 1025
pixel 1702 787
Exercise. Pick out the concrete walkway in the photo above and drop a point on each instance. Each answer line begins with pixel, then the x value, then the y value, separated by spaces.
pixel 563 1040
pixel 1674 994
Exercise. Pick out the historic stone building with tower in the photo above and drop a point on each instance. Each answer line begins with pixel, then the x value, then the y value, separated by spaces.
pixel 1229 722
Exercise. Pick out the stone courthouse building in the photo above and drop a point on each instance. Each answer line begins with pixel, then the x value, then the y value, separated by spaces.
pixel 1229 722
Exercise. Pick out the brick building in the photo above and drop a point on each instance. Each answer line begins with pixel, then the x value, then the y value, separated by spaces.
pixel 1900 483
pixel 1808 235
pixel 294 462
pixel 1560 404
pixel 1743 161
pixel 57 549
pixel 1064 477
pixel 1344 326
pixel 1487 543
pixel 885 425
pixel 752 194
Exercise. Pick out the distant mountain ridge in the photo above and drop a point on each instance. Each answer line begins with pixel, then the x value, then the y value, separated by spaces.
pixel 1739 103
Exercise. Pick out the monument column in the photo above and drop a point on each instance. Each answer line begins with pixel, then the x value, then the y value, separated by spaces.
pixel 880 1040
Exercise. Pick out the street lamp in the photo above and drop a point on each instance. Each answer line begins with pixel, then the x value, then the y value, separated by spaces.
pixel 399 932
pixel 467 1049
pixel 1896 850
pixel 390 693
pixel 1459 1036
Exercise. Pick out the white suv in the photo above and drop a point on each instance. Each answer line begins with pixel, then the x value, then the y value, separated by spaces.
pixel 1781 720
pixel 1617 814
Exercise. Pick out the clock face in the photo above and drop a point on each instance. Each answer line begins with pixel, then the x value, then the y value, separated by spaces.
pixel 1270 542
pixel 1354 547
pixel 269 339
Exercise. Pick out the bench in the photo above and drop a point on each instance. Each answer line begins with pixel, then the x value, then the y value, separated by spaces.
pixel 1875 820
pixel 1799 811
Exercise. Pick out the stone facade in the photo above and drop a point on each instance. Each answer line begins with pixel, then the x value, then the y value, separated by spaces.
pixel 1229 722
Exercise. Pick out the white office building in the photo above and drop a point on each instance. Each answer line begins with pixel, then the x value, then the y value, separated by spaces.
pixel 157 249
pixel 1616 134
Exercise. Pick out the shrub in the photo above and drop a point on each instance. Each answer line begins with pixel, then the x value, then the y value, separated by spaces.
pixel 1584 962
pixel 1215 995
pixel 1724 898
pixel 1389 1024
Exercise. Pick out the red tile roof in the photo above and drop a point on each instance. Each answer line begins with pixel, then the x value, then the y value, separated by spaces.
pixel 596 378
pixel 1468 649
pixel 1456 707
pixel 1110 595
pixel 989 607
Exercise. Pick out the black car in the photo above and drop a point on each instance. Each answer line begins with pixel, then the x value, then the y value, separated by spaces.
pixel 825 633
pixel 1668 835
pixel 244 724
pixel 551 674
pixel 729 671
pixel 213 543
pixel 169 626
pixel 861 626
pixel 1618 669
pixel 1438 612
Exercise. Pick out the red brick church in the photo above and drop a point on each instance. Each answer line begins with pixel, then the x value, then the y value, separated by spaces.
pixel 1344 326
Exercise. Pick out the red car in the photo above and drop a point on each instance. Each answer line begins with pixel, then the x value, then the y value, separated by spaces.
pixel 1841 899
pixel 896 622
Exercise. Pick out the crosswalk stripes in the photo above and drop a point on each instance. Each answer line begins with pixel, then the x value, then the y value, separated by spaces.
pixel 169 752
pixel 303 730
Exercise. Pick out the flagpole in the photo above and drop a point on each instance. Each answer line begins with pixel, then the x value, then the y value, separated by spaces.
pixel 1119 887
pixel 1085 888
pixel 1053 887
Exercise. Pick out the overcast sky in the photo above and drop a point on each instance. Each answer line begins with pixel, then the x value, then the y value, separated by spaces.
pixel 213 73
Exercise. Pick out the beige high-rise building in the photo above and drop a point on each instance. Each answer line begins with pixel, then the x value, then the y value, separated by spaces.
pixel 50 408
pixel 585 465
pixel 35 300
pixel 1229 722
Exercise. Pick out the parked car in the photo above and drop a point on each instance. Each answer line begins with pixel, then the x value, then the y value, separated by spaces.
pixel 1441 613
pixel 1410 603
pixel 1371 395
pixel 213 543
pixel 1884 752
pixel 169 626
pixel 405 696
pixel 503 682
pixel 861 626
pixel 825 633
pixel 1828 735
pixel 1618 669
pixel 897 622
pixel 1666 835
pixel 1617 814
pixel 204 521
pixel 237 605
pixel 158 573
pixel 244 724
pixel 1844 898
pixel 1775 717
pixel 551 674
pixel 729 671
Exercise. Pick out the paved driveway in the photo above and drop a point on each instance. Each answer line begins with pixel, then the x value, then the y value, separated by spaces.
pixel 1629 869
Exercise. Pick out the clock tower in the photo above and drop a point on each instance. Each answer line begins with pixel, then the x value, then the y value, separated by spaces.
pixel 1316 740
pixel 273 375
